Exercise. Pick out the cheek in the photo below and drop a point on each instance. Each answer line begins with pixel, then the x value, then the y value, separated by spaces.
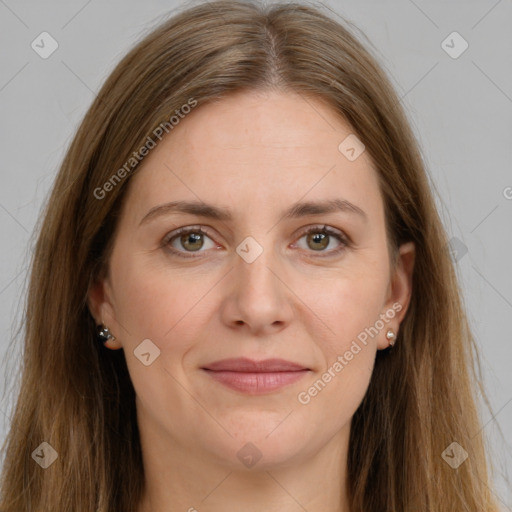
pixel 170 307
pixel 348 307
pixel 347 346
pixel 153 304
pixel 149 302
pixel 346 304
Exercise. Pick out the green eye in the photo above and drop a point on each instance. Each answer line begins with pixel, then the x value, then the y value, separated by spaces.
pixel 192 241
pixel 318 238
pixel 186 241
pixel 189 239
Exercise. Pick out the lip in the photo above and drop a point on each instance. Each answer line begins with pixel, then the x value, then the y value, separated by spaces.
pixel 243 364
pixel 255 377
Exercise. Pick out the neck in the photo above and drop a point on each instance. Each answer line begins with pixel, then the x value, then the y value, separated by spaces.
pixel 180 478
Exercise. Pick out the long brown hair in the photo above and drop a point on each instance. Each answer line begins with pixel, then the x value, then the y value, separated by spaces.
pixel 78 397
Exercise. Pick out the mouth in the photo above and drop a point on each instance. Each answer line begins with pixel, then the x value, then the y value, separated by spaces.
pixel 255 377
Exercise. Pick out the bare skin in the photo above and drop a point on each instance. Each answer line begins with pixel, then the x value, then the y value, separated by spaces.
pixel 254 155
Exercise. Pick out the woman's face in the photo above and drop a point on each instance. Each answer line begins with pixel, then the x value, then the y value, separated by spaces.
pixel 253 284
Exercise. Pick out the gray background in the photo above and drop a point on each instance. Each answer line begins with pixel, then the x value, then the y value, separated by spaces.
pixel 460 109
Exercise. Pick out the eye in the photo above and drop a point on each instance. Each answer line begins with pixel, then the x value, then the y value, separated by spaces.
pixel 188 239
pixel 318 238
pixel 191 239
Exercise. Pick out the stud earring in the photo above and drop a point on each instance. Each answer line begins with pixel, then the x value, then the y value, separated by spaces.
pixel 104 334
pixel 391 336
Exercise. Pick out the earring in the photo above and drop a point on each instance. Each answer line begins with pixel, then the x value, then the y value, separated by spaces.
pixel 103 333
pixel 391 336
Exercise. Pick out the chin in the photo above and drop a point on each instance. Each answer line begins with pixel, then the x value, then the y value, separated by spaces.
pixel 252 448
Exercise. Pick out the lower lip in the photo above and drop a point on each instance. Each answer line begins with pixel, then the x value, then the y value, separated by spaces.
pixel 256 383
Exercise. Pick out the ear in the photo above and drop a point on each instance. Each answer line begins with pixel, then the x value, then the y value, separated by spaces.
pixel 99 301
pixel 399 291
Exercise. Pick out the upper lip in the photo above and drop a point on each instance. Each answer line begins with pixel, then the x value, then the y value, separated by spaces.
pixel 243 364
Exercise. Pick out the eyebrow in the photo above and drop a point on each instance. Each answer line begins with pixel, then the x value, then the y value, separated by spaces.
pixel 297 210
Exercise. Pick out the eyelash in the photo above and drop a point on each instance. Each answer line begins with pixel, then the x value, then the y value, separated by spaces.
pixel 343 239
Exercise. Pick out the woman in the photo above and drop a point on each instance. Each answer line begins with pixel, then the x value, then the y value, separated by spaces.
pixel 240 297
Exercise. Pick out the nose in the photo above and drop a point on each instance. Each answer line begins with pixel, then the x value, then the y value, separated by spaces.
pixel 258 299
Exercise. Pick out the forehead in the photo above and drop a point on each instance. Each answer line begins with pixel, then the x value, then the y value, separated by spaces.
pixel 254 150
